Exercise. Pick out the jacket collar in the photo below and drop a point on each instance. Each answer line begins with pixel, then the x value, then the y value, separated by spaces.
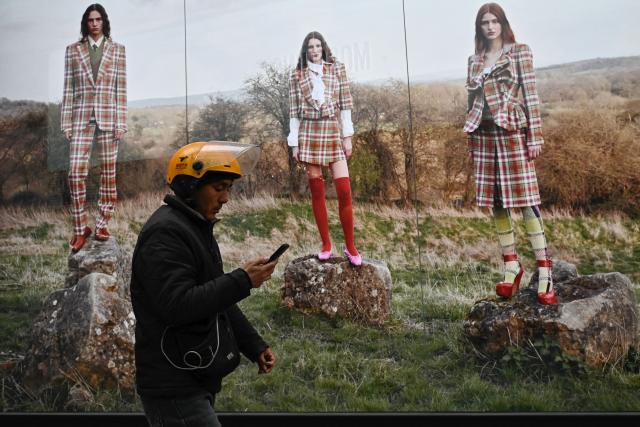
pixel 107 57
pixel 178 203
pixel 307 87
pixel 503 63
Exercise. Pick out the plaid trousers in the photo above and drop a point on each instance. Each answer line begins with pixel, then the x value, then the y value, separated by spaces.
pixel 80 151
pixel 503 170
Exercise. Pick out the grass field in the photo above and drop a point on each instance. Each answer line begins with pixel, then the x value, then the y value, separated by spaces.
pixel 418 362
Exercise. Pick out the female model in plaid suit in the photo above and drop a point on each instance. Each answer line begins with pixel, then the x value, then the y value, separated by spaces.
pixel 318 90
pixel 504 136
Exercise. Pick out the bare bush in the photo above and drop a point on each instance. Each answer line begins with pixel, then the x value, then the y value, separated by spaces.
pixel 591 160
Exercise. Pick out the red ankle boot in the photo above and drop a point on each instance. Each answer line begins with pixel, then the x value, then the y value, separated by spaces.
pixel 550 297
pixel 507 289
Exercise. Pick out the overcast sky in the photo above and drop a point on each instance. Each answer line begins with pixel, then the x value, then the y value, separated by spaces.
pixel 228 40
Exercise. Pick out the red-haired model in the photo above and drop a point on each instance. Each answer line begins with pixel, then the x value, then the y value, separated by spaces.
pixel 318 91
pixel 504 137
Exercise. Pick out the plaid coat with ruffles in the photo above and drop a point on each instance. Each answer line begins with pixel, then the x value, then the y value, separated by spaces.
pixel 337 95
pixel 107 95
pixel 504 173
pixel 319 133
pixel 513 72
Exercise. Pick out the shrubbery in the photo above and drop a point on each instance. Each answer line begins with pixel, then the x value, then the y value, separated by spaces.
pixel 590 162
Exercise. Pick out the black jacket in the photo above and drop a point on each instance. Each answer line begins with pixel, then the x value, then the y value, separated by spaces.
pixel 177 282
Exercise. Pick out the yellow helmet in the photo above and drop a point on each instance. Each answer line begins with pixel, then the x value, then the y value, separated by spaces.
pixel 193 161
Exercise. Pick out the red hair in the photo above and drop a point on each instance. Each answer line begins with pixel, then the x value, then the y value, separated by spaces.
pixel 498 12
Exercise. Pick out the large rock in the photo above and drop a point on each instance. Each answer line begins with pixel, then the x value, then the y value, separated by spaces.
pixel 334 287
pixel 595 320
pixel 101 257
pixel 85 332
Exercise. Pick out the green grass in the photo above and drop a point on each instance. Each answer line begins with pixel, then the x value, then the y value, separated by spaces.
pixel 419 361
pixel 259 224
pixel 338 365
pixel 17 311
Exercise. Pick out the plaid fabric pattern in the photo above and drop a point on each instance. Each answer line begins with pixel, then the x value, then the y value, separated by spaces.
pixel 501 164
pixel 513 72
pixel 106 97
pixel 319 141
pixel 337 95
pixel 80 151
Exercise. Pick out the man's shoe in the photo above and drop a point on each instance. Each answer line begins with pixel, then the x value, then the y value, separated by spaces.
pixel 102 234
pixel 78 240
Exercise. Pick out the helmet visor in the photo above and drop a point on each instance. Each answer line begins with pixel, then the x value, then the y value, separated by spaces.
pixel 226 156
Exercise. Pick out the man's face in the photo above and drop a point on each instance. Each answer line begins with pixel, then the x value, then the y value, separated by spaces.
pixel 210 198
pixel 94 23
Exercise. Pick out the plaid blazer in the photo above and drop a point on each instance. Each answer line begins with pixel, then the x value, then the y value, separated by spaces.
pixel 513 72
pixel 337 95
pixel 107 96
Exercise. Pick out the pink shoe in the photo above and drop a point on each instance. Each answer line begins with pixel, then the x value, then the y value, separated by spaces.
pixel 353 259
pixel 324 255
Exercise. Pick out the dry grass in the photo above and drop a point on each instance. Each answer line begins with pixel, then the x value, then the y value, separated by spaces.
pixel 459 265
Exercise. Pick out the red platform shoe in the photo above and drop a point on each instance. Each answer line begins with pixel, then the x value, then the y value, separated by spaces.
pixel 550 297
pixel 507 289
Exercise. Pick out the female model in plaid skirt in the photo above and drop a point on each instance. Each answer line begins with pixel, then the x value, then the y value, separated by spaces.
pixel 504 136
pixel 318 90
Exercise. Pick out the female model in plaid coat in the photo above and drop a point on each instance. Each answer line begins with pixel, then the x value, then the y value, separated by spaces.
pixel 504 136
pixel 318 90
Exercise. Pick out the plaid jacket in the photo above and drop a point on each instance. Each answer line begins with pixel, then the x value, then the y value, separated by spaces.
pixel 513 71
pixel 337 95
pixel 107 95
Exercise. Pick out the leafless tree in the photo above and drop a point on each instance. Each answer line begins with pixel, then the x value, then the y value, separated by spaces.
pixel 23 132
pixel 222 119
pixel 268 93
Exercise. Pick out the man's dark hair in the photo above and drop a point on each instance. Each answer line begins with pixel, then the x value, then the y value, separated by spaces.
pixel 84 24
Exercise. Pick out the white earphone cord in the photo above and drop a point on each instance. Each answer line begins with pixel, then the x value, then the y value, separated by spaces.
pixel 191 367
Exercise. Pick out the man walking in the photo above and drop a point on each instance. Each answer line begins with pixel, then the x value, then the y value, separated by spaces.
pixel 189 330
pixel 94 106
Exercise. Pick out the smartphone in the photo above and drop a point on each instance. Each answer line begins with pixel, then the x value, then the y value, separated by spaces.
pixel 278 252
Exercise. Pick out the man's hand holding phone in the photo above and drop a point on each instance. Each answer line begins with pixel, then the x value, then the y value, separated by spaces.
pixel 261 269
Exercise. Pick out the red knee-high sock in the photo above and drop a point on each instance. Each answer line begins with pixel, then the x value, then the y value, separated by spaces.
pixel 343 189
pixel 316 185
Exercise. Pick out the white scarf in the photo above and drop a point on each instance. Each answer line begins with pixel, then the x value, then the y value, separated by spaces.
pixel 316 81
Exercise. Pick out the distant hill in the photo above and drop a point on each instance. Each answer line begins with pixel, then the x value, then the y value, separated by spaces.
pixel 625 63
pixel 587 66
pixel 196 99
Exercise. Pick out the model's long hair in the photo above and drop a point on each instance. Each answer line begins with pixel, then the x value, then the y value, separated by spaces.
pixel 507 32
pixel 84 24
pixel 327 56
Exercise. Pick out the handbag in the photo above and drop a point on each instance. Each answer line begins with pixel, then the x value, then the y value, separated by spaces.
pixel 207 349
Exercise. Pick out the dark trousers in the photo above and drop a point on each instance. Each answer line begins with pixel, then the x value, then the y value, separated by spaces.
pixel 191 411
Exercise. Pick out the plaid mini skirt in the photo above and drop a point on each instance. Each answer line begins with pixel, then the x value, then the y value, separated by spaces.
pixel 504 174
pixel 319 141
